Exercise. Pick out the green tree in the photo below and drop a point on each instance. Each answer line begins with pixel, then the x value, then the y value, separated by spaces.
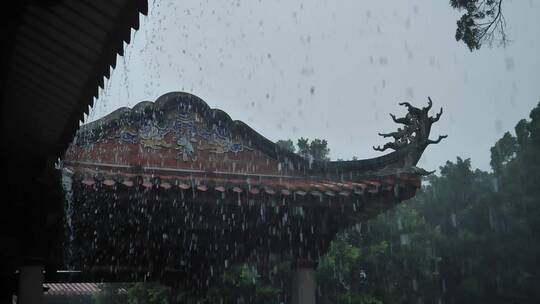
pixel 111 293
pixel 318 148
pixel 482 22
pixel 148 293
pixel 503 152
pixel 303 146
pixel 286 145
pixel 132 293
pixel 243 284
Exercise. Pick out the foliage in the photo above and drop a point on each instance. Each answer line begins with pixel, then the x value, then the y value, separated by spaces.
pixel 132 293
pixel 148 293
pixel 243 284
pixel 503 152
pixel 482 22
pixel 111 293
pixel 303 146
pixel 317 149
pixel 286 145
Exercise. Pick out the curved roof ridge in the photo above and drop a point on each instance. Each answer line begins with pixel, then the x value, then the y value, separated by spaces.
pixel 177 100
pixel 403 157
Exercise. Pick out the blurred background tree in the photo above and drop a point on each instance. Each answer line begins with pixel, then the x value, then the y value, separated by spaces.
pixel 317 149
pixel 286 145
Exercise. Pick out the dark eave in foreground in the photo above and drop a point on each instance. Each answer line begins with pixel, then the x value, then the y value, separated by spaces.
pixel 56 55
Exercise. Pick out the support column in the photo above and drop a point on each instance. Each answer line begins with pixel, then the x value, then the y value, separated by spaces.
pixel 304 285
pixel 30 284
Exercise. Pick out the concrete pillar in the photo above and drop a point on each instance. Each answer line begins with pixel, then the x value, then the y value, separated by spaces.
pixel 30 284
pixel 304 285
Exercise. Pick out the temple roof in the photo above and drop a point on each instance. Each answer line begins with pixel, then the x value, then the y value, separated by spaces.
pixel 208 191
pixel 179 141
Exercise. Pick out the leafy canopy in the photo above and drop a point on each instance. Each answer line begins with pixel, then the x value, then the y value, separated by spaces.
pixel 482 22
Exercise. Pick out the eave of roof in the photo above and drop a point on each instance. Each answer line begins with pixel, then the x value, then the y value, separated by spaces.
pixel 57 59
pixel 275 185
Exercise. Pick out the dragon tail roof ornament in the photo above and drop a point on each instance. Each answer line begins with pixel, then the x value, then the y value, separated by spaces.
pixel 409 142
pixel 414 136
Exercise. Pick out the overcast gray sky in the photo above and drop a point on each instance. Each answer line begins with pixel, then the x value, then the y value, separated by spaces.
pixel 335 69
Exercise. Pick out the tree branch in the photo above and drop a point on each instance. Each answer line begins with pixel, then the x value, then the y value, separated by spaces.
pixel 441 137
pixel 430 104
pixel 498 21
pixel 412 109
pixel 400 120
pixel 429 172
pixel 391 145
pixel 436 118
pixel 408 105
